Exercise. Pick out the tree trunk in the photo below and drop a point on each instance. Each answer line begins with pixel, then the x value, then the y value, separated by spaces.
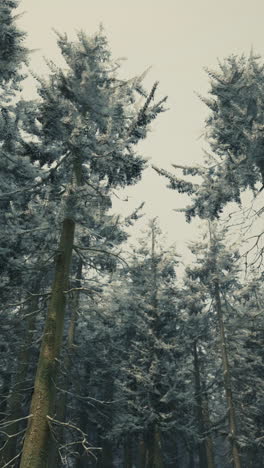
pixel 107 454
pixel 128 462
pixel 61 405
pixel 227 381
pixel 35 449
pixel 154 457
pixel 142 453
pixel 158 450
pixel 14 410
pixel 208 440
pixel 199 409
pixel 191 462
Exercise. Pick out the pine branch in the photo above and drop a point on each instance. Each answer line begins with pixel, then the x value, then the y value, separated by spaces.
pixel 192 170
pixel 180 185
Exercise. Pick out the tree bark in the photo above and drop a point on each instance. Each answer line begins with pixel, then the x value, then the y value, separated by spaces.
pixel 153 456
pixel 35 449
pixel 199 409
pixel 208 440
pixel 14 405
pixel 107 454
pixel 158 450
pixel 128 455
pixel 227 381
pixel 61 405
pixel 142 453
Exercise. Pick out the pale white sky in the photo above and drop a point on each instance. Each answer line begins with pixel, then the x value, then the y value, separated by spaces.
pixel 178 38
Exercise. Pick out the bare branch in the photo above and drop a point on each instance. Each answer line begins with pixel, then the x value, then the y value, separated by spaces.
pixel 13 459
pixel 8 423
pixel 76 247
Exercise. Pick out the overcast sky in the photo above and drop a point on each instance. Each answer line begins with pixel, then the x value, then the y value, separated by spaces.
pixel 178 39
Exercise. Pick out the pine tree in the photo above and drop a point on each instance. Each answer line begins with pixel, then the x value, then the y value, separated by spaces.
pixel 89 127
pixel 217 270
pixel 234 131
pixel 199 342
pixel 17 174
pixel 152 363
pixel 15 170
pixel 246 328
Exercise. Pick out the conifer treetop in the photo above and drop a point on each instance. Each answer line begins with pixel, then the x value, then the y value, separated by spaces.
pixel 12 51
pixel 235 133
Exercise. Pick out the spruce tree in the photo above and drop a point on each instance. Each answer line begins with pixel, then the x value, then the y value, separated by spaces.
pixel 217 270
pixel 151 357
pixel 234 132
pixel 89 126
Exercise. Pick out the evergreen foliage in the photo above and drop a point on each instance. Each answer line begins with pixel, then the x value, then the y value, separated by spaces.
pixel 108 357
pixel 234 132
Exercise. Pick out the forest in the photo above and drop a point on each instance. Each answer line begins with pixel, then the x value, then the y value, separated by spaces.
pixel 115 353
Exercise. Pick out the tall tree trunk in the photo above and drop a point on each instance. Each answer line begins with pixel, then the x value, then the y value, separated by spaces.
pixel 14 410
pixel 208 440
pixel 154 458
pixel 199 409
pixel 142 453
pixel 61 405
pixel 158 450
pixel 191 462
pixel 85 459
pixel 227 381
pixel 35 449
pixel 128 462
pixel 107 455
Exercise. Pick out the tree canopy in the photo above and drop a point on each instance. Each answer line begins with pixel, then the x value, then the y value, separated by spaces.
pixel 114 351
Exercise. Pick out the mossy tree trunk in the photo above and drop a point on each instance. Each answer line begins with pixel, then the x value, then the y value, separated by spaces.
pixel 35 449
